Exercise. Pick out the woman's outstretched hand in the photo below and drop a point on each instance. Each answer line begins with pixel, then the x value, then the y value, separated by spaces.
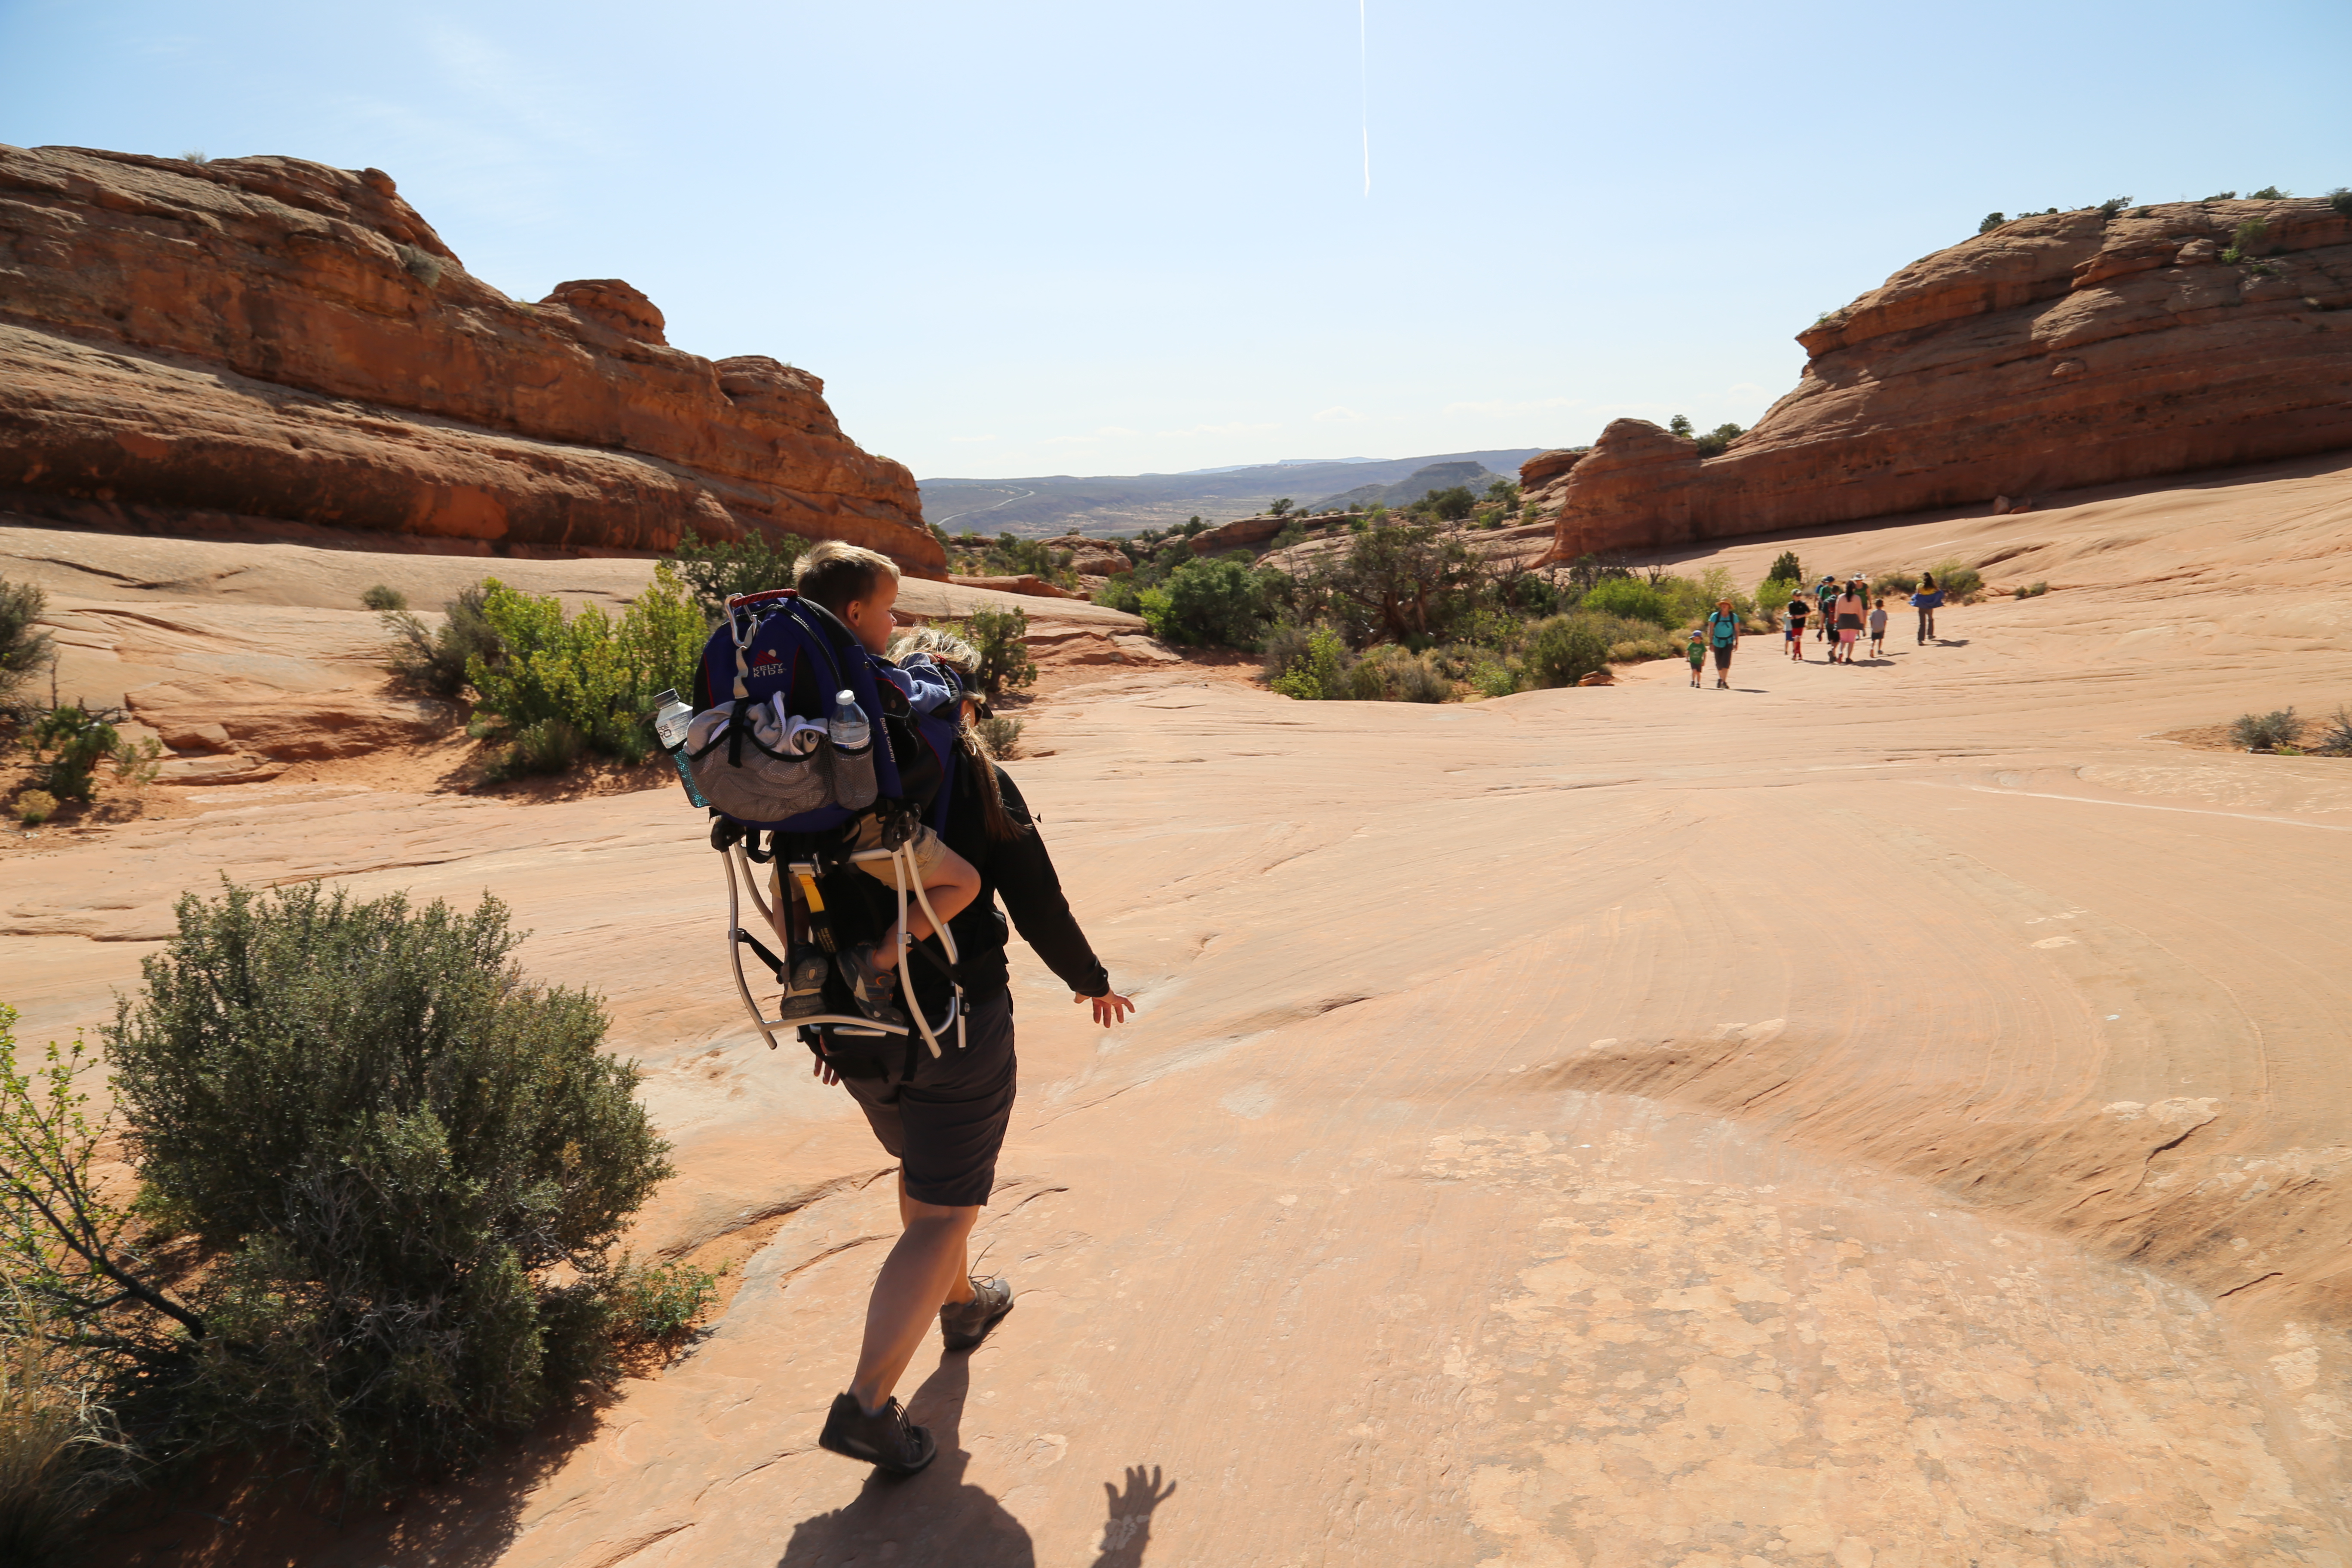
pixel 1111 1007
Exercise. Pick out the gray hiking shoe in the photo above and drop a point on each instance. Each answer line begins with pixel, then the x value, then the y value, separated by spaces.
pixel 803 994
pixel 886 1439
pixel 966 1323
pixel 872 986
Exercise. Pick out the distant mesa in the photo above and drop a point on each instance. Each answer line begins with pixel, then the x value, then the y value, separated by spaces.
pixel 201 345
pixel 1472 474
pixel 2053 352
pixel 1107 504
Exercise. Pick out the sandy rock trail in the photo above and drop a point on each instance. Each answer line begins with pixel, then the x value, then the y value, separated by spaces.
pixel 1890 1115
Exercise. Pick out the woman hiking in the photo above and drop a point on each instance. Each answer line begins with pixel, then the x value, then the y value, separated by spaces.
pixel 1723 636
pixel 946 1125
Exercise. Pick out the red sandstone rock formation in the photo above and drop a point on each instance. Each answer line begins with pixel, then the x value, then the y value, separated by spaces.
pixel 2066 349
pixel 266 337
pixel 1242 533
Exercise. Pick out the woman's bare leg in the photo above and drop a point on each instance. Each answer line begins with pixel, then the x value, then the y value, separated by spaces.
pixel 927 1269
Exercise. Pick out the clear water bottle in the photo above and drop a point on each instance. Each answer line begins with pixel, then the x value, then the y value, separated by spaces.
pixel 848 729
pixel 671 717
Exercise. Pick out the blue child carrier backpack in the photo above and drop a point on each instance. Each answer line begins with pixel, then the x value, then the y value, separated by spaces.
pixel 761 751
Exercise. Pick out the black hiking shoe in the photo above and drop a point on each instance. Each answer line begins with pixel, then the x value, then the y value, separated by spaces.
pixel 886 1439
pixel 872 986
pixel 966 1323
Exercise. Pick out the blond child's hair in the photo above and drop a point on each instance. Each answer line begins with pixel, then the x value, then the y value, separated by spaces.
pixel 838 575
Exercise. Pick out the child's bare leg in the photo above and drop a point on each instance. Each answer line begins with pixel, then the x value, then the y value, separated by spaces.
pixel 952 885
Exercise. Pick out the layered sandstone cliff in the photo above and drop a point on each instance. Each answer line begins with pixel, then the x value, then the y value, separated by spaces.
pixel 2066 349
pixel 271 338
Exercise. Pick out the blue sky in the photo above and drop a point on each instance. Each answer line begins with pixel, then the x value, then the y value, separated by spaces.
pixel 1103 238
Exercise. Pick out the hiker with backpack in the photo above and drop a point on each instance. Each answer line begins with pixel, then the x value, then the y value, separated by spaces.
pixel 1723 636
pixel 947 1124
pixel 913 794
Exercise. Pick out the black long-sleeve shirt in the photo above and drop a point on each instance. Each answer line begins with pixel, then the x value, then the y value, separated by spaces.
pixel 1019 869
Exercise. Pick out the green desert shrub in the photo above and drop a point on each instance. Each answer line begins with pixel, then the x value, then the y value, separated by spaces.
pixel 1960 582
pixel 24 647
pixel 34 807
pixel 716 570
pixel 2335 736
pixel 381 598
pixel 1493 679
pixel 421 264
pixel 1001 736
pixel 2032 591
pixel 68 743
pixel 2274 732
pixel 1285 647
pixel 2244 241
pixel 1904 582
pixel 1222 603
pixel 657 1304
pixel 1392 673
pixel 1772 596
pixel 1451 504
pixel 2340 198
pixel 1786 568
pixel 1713 443
pixel 1636 650
pixel 1991 221
pixel 596 675
pixel 541 749
pixel 1563 650
pixel 1318 672
pixel 409 1163
pixel 1633 599
pixel 435 661
pixel 1001 638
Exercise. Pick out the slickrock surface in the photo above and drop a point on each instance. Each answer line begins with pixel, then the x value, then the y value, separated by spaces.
pixel 2055 352
pixel 272 338
pixel 1875 1118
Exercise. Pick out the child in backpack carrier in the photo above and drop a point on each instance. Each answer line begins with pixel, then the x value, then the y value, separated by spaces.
pixel 859 588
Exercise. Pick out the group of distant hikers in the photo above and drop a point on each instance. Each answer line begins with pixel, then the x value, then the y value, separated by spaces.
pixel 1839 613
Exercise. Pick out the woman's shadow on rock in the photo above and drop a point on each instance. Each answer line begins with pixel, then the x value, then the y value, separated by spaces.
pixel 938 1516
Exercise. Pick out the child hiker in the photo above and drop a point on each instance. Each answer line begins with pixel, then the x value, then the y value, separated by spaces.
pixel 1698 652
pixel 859 588
pixel 1878 629
pixel 1795 629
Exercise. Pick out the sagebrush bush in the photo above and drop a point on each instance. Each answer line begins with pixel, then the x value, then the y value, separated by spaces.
pixel 1563 650
pixel 382 598
pixel 1495 679
pixel 2267 732
pixel 1001 638
pixel 396 1147
pixel 1904 582
pixel 596 675
pixel 435 661
pixel 1287 646
pixel 1392 673
pixel 2032 591
pixel 2336 739
pixel 34 807
pixel 1001 736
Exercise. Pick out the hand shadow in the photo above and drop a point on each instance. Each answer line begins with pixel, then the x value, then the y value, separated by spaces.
pixel 1129 1530
pixel 934 1517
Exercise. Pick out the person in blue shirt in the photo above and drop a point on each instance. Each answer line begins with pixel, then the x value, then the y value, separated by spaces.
pixel 1723 636
pixel 1925 602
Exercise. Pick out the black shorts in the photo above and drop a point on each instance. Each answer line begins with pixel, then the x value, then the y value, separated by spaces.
pixel 948 1124
pixel 1723 657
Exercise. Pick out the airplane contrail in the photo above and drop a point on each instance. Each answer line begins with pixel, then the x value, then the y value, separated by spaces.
pixel 1364 94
